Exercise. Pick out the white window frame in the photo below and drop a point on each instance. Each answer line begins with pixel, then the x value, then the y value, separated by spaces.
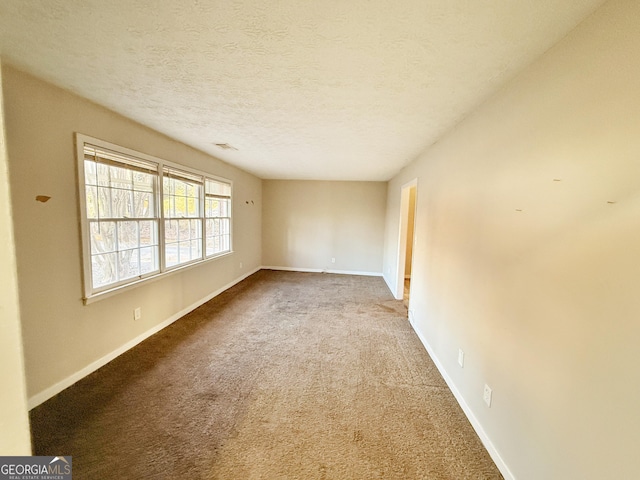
pixel 90 293
pixel 225 199
pixel 170 172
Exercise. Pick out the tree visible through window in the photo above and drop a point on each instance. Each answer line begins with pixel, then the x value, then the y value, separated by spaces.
pixel 122 216
pixel 183 219
pixel 218 216
pixel 128 234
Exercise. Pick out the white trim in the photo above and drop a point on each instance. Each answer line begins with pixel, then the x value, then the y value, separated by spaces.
pixel 320 270
pixel 292 269
pixel 47 393
pixel 403 227
pixel 475 423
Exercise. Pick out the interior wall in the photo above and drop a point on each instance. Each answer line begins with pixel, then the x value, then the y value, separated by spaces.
pixel 306 224
pixel 14 422
pixel 528 257
pixel 61 335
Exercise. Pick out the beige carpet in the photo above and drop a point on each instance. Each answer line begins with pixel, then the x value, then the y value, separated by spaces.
pixel 285 376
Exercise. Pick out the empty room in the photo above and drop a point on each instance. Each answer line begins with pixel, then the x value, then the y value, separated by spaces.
pixel 365 239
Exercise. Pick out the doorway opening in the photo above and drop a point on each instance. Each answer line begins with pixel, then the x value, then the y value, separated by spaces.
pixel 407 240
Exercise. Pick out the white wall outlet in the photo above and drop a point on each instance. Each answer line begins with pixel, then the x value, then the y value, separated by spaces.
pixel 487 395
pixel 333 260
pixel 137 314
pixel 460 358
pixel 240 264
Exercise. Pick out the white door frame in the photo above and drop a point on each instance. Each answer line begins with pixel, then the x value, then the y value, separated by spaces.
pixel 402 236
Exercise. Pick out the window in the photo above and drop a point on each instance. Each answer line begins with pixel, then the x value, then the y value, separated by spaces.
pixel 182 194
pixel 218 216
pixel 128 233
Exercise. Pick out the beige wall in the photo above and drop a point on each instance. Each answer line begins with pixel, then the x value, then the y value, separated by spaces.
pixel 307 223
pixel 61 335
pixel 14 423
pixel 523 263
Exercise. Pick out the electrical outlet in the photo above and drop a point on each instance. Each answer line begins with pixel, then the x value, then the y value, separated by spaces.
pixel 460 358
pixel 487 395
pixel 137 314
pixel 240 264
pixel 333 260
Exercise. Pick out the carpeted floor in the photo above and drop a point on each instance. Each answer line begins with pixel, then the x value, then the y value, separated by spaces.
pixel 284 376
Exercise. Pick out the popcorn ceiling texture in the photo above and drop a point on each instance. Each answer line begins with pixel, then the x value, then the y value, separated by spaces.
pixel 349 90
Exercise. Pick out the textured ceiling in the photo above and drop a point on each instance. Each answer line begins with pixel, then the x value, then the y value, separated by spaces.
pixel 336 89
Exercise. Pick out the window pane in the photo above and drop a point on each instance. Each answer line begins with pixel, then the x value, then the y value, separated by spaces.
pixel 196 249
pixel 216 212
pixel 143 182
pixel 121 203
pixel 128 264
pixel 143 205
pixel 102 237
pixel 91 200
pixel 90 173
pixel 127 235
pixel 196 228
pixel 185 252
pixel 167 186
pixel 169 206
pixel 178 187
pixel 120 177
pixel 171 230
pixel 171 254
pixel 193 207
pixel 103 174
pixel 148 260
pixel 103 268
pixel 184 230
pixel 104 202
pixel 148 231
pixel 180 209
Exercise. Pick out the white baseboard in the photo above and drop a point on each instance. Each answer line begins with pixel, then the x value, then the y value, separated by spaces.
pixel 320 270
pixel 475 423
pixel 47 393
